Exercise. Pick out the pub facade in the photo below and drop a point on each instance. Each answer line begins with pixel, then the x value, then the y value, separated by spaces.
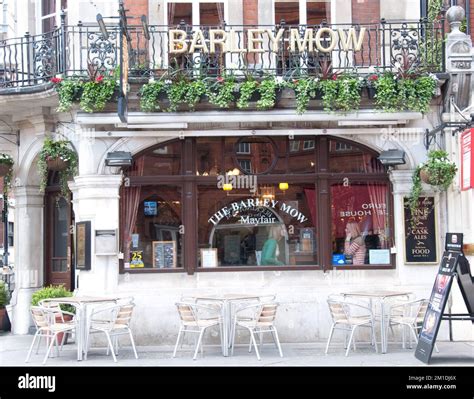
pixel 245 148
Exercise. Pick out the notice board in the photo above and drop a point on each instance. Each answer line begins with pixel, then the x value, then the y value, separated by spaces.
pixel 164 254
pixel 421 238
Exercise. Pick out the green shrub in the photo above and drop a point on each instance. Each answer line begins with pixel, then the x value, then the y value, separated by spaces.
pixel 3 295
pixel 53 291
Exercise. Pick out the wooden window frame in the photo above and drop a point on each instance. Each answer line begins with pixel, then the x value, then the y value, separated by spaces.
pixel 322 178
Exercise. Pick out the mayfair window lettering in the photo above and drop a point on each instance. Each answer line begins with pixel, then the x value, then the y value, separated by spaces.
pixel 228 42
pixel 236 208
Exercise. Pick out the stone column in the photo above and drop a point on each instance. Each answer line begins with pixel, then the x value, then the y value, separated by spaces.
pixel 29 253
pixel 96 198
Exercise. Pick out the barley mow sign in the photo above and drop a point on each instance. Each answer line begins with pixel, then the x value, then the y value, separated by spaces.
pixel 230 41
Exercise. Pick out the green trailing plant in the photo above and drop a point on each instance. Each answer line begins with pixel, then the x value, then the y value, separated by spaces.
pixel 386 97
pixel 97 93
pixel 305 89
pixel 267 90
pixel 3 295
pixel 416 94
pixel 7 160
pixel 221 91
pixel 53 291
pixel 53 150
pixel 185 91
pixel 246 90
pixel 150 94
pixel 69 91
pixel 440 172
pixel 341 93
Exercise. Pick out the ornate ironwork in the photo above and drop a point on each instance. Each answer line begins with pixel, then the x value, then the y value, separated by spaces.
pixel 69 50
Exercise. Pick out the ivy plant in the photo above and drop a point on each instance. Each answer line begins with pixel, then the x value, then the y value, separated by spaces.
pixel 386 97
pixel 305 89
pixel 221 91
pixel 7 160
pixel 149 95
pixel 69 91
pixel 267 90
pixel 246 90
pixel 53 150
pixel 97 93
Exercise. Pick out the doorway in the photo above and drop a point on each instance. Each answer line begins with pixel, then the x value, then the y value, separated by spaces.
pixel 57 231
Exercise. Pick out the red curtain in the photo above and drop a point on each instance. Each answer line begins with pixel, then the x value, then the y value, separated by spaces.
pixel 129 203
pixel 311 201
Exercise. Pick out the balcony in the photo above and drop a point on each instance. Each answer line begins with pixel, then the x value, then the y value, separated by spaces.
pixel 28 63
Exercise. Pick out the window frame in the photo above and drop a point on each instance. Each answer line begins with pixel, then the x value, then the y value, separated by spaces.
pixel 322 179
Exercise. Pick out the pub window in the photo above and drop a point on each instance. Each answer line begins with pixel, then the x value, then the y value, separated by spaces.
pixel 294 145
pixel 10 234
pixel 360 224
pixel 245 165
pixel 308 145
pixel 243 148
pixel 50 12
pixel 345 158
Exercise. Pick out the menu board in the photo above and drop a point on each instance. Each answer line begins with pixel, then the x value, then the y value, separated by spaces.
pixel 164 254
pixel 421 237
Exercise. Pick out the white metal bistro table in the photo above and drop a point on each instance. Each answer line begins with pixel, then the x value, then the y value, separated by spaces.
pixel 381 296
pixel 226 301
pixel 81 303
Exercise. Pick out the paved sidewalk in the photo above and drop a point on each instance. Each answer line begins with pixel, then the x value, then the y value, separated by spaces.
pixel 14 348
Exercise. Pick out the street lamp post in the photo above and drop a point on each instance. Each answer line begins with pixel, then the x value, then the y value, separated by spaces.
pixel 5 231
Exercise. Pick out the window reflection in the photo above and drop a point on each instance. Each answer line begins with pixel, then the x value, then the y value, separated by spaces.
pixel 347 158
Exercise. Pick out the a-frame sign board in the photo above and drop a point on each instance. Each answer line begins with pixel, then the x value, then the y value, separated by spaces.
pixel 453 263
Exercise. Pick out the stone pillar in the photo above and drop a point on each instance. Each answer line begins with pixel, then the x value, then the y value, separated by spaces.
pixel 96 198
pixel 29 253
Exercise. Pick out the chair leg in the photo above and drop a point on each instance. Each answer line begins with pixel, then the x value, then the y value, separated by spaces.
pixel 255 344
pixel 250 343
pixel 374 338
pixel 234 329
pixel 350 340
pixel 111 346
pixel 198 343
pixel 49 349
pixel 39 342
pixel 329 339
pixel 277 341
pixel 261 340
pixel 181 330
pixel 31 347
pixel 133 343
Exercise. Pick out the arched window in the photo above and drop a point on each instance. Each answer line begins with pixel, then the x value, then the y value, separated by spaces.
pixel 250 203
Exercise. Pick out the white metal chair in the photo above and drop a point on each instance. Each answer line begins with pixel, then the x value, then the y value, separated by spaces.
pixel 196 319
pixel 113 322
pixel 409 314
pixel 348 317
pixel 47 326
pixel 261 322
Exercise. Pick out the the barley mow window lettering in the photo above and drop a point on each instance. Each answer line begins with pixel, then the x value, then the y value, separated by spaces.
pixel 253 203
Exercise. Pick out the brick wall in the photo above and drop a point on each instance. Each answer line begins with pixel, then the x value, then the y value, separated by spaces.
pixel 250 12
pixel 365 11
pixel 136 8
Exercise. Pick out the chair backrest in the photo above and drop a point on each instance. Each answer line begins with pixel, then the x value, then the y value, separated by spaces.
pixel 267 313
pixel 124 314
pixel 338 310
pixel 186 312
pixel 54 308
pixel 40 317
pixel 423 307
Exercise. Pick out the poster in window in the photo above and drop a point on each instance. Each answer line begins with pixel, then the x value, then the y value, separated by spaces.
pixel 150 208
pixel 164 254
pixel 209 257
pixel 83 245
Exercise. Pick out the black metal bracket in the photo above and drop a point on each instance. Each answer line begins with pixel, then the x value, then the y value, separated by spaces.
pixel 430 135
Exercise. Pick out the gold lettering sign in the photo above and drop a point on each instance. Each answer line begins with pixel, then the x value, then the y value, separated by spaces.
pixel 257 40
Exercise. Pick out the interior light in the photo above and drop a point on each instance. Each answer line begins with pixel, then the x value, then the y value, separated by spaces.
pixel 227 187
pixel 283 186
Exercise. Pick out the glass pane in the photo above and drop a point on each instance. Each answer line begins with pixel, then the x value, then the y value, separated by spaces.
pixel 48 7
pixel 155 240
pixel 301 158
pixel 287 10
pixel 250 155
pixel 318 11
pixel 360 224
pixel 48 24
pixel 346 158
pixel 164 160
pixel 60 227
pixel 209 156
pixel 178 12
pixel 271 228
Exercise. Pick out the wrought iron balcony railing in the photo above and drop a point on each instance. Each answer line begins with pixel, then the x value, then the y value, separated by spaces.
pixel 28 63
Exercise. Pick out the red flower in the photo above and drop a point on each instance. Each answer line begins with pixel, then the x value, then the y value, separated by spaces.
pixel 56 80
pixel 373 78
pixel 220 79
pixel 99 78
pixel 334 77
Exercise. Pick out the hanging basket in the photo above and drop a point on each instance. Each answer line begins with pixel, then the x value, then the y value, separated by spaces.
pixel 57 164
pixel 4 169
pixel 425 176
